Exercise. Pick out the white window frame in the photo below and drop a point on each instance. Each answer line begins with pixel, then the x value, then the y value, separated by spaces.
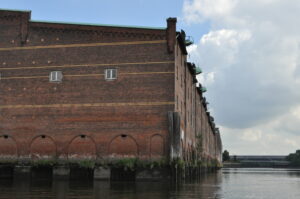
pixel 55 76
pixel 109 74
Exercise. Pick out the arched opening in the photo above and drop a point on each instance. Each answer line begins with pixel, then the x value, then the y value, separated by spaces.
pixel 8 147
pixel 82 148
pixel 42 147
pixel 123 146
pixel 156 146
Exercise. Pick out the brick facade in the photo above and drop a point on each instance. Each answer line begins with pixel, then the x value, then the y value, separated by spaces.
pixel 86 116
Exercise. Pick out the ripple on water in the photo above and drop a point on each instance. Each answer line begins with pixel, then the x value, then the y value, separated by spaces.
pixel 262 183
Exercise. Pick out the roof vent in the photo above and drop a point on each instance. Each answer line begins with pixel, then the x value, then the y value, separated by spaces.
pixel 203 89
pixel 198 70
pixel 189 40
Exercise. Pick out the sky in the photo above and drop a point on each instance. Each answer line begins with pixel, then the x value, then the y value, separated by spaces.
pixel 249 51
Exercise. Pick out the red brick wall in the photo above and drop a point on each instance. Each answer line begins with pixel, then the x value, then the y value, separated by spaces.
pixel 13 28
pixel 84 103
pixel 85 116
pixel 8 147
pixel 195 120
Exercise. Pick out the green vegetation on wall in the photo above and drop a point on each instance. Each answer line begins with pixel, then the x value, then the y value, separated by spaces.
pixel 199 143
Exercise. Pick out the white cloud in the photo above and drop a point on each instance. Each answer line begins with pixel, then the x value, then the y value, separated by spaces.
pixel 291 142
pixel 251 135
pixel 191 48
pixel 261 139
pixel 204 9
pixel 251 64
pixel 230 38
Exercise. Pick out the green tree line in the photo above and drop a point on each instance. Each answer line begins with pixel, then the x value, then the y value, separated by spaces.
pixel 294 158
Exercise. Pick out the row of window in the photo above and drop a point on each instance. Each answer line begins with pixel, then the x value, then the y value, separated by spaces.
pixel 57 76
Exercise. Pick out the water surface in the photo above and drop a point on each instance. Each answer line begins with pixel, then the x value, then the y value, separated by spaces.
pixel 226 183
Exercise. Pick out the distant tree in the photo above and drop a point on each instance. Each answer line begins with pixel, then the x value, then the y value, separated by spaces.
pixel 226 156
pixel 294 158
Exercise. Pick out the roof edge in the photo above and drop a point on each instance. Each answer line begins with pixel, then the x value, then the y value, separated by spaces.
pixel 97 25
pixel 14 10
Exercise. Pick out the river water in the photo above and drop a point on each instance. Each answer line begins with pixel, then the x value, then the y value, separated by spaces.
pixel 226 183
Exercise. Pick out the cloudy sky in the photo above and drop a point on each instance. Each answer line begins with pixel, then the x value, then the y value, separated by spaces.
pixel 249 51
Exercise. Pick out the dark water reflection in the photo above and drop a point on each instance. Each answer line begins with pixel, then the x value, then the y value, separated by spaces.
pixel 227 183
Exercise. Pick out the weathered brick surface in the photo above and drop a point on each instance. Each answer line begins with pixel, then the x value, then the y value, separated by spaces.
pixel 198 134
pixel 8 147
pixel 86 116
pixel 42 147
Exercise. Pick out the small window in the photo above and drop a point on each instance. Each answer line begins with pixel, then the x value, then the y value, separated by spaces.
pixel 55 76
pixel 110 74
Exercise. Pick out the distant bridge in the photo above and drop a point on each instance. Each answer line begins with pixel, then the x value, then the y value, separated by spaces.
pixel 260 160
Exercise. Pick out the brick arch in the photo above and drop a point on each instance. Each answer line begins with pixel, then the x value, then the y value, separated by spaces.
pixel 156 146
pixel 8 147
pixel 123 146
pixel 82 147
pixel 42 147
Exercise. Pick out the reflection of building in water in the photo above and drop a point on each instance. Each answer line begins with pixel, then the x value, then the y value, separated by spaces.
pixel 207 186
pixel 98 93
pixel 210 185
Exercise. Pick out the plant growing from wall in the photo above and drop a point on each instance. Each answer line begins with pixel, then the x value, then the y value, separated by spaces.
pixel 178 163
pixel 89 164
pixel 105 163
pixel 126 163
pixel 83 163
pixel 199 144
pixel 160 163
pixel 44 163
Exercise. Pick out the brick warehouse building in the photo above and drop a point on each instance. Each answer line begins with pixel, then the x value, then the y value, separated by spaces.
pixel 72 92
